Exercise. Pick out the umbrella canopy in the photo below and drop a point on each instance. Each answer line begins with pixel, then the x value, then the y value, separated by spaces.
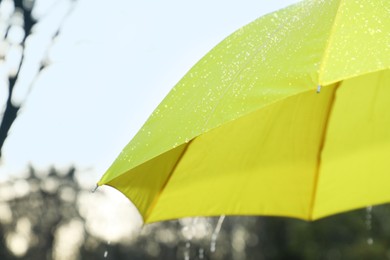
pixel 246 133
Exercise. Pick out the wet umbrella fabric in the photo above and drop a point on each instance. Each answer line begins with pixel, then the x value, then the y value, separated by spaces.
pixel 246 133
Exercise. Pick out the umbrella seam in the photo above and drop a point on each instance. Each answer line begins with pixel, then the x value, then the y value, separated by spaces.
pixel 320 151
pixel 325 57
pixel 156 198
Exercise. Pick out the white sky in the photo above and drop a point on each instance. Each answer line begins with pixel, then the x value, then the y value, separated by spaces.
pixel 112 64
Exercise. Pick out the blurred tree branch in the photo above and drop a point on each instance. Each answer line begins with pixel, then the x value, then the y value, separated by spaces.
pixel 13 14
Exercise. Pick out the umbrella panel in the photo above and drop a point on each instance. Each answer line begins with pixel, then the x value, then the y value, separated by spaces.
pixel 307 156
pixel 355 168
pixel 265 163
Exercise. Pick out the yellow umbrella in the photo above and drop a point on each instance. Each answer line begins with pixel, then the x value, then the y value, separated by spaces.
pixel 246 133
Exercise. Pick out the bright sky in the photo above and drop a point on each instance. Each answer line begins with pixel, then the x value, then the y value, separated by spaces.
pixel 112 64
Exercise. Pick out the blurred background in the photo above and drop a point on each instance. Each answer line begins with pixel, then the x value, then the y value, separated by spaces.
pixel 77 80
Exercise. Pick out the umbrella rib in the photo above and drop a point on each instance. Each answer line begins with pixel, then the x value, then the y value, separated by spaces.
pixel 325 56
pixel 320 150
pixel 156 198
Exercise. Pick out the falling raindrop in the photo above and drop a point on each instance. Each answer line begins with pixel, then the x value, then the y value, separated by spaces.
pixel 369 218
pixel 105 254
pixel 201 253
pixel 215 234
pixel 370 240
pixel 94 189
pixel 187 251
pixel 190 228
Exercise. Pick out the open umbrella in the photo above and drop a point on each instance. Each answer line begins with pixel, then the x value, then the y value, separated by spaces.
pixel 288 116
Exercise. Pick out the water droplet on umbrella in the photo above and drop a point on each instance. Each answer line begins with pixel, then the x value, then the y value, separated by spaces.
pixel 215 234
pixel 318 89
